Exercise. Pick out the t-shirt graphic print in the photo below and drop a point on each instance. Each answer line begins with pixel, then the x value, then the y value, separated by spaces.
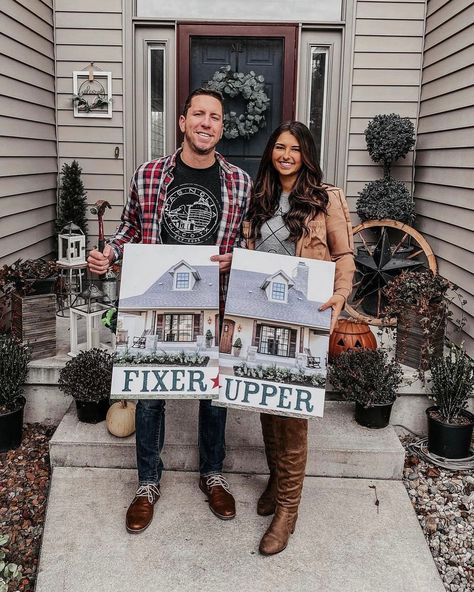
pixel 192 211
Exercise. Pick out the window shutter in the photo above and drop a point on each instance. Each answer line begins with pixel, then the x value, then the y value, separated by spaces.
pixel 293 343
pixel 196 326
pixel 160 321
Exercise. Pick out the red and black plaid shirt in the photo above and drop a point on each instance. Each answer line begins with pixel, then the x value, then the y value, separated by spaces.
pixel 141 217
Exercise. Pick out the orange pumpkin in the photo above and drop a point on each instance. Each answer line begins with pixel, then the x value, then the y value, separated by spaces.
pixel 349 334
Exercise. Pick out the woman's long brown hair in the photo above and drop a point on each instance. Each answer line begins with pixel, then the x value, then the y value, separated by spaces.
pixel 307 197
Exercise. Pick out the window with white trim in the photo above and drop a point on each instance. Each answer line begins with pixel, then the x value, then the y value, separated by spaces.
pixel 278 292
pixel 181 281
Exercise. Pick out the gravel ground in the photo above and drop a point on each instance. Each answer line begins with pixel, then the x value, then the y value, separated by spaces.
pixel 444 503
pixel 24 481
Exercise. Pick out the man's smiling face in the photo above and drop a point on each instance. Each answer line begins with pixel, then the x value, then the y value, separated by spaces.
pixel 203 124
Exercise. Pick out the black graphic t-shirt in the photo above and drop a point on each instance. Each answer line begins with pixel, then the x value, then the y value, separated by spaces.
pixel 193 207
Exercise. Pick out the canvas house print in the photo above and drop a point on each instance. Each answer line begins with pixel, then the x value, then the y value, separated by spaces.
pixel 274 339
pixel 167 324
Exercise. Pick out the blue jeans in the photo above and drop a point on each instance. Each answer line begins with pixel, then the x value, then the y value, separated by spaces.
pixel 150 436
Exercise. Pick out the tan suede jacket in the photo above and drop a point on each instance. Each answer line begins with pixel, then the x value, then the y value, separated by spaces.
pixel 329 239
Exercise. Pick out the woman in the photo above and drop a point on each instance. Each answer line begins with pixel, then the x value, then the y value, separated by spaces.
pixel 293 213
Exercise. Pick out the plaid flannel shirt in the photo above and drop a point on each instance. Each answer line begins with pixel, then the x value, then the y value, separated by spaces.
pixel 142 214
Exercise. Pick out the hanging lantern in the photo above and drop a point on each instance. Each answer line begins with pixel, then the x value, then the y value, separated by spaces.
pixel 349 334
pixel 71 245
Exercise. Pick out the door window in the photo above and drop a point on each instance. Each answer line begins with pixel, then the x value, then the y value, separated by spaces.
pixel 317 97
pixel 156 102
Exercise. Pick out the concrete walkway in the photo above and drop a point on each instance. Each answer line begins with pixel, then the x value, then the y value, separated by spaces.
pixel 341 544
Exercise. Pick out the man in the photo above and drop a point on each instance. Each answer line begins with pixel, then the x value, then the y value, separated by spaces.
pixel 194 179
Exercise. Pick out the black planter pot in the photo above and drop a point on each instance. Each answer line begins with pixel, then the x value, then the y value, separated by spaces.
pixel 92 412
pixel 374 417
pixel 11 427
pixel 448 440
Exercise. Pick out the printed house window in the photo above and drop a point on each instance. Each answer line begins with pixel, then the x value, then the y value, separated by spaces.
pixel 277 341
pixel 182 281
pixel 278 291
pixel 156 101
pixel 317 97
pixel 179 327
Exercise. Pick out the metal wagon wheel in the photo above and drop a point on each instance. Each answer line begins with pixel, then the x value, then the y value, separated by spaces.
pixel 387 247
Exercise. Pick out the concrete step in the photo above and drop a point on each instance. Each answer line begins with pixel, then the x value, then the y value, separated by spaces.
pixel 338 446
pixel 342 543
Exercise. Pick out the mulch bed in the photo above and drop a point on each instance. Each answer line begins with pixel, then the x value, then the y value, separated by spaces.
pixel 24 482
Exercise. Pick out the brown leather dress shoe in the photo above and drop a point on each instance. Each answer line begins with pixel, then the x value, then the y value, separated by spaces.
pixel 140 511
pixel 221 501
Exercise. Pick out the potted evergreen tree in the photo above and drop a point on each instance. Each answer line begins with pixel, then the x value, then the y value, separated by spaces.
pixel 14 358
pixel 87 378
pixel 371 380
pixel 72 201
pixel 450 424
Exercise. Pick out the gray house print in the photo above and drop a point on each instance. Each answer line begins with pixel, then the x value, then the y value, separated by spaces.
pixel 274 320
pixel 174 313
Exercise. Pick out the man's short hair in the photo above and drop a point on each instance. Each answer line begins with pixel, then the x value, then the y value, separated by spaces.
pixel 203 91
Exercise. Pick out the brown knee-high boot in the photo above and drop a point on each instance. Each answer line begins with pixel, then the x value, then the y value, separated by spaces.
pixel 266 502
pixel 292 448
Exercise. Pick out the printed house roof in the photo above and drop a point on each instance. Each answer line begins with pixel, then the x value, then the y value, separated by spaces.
pixel 246 298
pixel 204 294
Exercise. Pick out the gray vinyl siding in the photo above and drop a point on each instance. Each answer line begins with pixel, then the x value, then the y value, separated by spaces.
pixel 444 179
pixel 91 31
pixel 386 77
pixel 28 163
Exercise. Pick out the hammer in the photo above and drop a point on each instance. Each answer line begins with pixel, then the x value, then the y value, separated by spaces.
pixel 99 209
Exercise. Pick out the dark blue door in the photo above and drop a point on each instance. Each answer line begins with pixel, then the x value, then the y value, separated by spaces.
pixel 262 55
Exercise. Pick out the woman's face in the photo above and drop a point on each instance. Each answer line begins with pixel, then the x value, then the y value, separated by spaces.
pixel 286 157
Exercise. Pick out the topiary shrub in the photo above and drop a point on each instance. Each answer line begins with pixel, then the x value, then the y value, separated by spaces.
pixel 389 137
pixel 386 198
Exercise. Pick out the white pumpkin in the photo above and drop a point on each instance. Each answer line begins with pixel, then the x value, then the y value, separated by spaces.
pixel 121 419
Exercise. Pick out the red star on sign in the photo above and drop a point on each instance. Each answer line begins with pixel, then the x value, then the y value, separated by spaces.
pixel 215 382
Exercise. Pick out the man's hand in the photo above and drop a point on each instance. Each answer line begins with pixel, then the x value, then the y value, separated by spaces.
pixel 100 262
pixel 225 262
pixel 336 302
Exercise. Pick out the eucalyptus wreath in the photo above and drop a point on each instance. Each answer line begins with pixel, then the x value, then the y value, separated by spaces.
pixel 251 87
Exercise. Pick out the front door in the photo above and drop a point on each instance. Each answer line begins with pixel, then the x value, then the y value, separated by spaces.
pixel 227 336
pixel 269 52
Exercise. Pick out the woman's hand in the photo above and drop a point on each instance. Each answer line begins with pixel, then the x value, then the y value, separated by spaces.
pixel 225 262
pixel 336 302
